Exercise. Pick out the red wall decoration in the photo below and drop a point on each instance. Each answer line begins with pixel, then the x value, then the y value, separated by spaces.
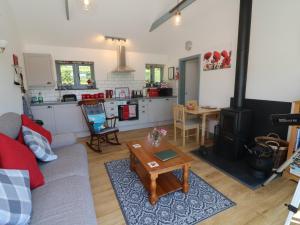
pixel 216 60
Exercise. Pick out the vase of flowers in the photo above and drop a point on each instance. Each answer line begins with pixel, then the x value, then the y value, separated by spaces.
pixel 156 135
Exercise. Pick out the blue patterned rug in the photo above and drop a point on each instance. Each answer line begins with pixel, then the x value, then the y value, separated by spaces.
pixel 201 202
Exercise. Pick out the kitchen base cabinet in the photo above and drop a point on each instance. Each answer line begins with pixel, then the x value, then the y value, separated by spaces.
pixel 65 118
pixel 46 114
pixel 68 118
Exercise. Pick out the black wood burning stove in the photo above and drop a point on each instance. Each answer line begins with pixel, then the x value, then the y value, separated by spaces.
pixel 235 122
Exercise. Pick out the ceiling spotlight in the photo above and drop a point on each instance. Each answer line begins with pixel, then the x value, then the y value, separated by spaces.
pixel 177 18
pixel 86 5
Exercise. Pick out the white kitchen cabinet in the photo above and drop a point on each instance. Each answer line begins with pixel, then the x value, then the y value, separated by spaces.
pixel 68 118
pixel 168 108
pixel 160 109
pixel 46 114
pixel 39 70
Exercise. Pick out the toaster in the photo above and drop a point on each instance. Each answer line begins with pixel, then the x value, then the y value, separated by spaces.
pixel 69 98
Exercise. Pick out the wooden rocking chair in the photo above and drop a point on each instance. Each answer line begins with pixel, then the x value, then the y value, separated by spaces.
pixel 92 107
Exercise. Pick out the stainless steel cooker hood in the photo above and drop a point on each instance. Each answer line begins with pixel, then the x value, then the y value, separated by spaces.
pixel 121 61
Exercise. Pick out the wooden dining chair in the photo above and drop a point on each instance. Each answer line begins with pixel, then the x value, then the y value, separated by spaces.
pixel 184 124
pixel 108 134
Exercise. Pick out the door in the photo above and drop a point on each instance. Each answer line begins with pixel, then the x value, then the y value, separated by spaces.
pixel 192 80
pixel 189 79
pixel 46 114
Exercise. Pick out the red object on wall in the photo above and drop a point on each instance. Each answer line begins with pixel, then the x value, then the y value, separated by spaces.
pixel 15 60
pixel 153 92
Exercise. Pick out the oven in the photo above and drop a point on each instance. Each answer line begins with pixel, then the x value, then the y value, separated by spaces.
pixel 129 110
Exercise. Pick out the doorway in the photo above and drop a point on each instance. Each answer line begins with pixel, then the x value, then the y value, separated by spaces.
pixel 189 81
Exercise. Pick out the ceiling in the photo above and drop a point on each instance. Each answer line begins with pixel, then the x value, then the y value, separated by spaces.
pixel 44 22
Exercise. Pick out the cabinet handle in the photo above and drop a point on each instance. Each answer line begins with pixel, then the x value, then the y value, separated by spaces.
pixel 49 82
pixel 111 108
pixel 143 111
pixel 49 107
pixel 167 99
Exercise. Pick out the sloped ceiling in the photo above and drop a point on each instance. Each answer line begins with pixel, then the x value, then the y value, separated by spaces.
pixel 44 22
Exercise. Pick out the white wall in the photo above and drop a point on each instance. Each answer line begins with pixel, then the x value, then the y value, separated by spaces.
pixel 10 94
pixel 210 25
pixel 274 71
pixel 105 60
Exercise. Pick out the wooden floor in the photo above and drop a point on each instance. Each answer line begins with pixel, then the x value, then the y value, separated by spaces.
pixel 264 206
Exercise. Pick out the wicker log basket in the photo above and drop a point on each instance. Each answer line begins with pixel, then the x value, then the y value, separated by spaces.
pixel 279 146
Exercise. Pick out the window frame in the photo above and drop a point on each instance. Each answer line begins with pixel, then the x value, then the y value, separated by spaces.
pixel 76 74
pixel 152 71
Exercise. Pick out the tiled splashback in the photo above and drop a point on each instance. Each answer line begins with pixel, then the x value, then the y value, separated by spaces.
pixel 113 82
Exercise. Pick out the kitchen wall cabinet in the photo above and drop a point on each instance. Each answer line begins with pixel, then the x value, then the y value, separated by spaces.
pixel 46 114
pixel 39 70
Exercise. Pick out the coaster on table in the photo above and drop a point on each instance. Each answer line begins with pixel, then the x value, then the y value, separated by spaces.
pixel 136 146
pixel 153 164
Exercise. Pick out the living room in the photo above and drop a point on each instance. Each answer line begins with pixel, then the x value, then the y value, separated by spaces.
pixel 93 91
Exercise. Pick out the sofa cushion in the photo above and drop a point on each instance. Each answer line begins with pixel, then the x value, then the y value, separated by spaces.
pixel 66 201
pixel 10 124
pixel 15 197
pixel 38 144
pixel 26 121
pixel 14 155
pixel 72 160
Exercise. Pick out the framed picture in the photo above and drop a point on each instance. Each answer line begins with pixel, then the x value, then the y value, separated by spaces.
pixel 122 92
pixel 171 71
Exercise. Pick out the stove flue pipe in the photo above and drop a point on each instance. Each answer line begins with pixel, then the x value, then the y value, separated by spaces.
pixel 242 52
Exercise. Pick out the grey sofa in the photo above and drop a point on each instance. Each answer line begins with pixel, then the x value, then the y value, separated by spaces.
pixel 66 197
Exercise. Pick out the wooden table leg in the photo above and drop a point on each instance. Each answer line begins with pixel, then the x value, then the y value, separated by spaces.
pixel 203 129
pixel 132 162
pixel 185 185
pixel 153 194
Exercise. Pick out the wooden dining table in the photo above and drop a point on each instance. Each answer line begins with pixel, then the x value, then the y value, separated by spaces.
pixel 204 113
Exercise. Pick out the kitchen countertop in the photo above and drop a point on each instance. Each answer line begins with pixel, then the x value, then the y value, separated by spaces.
pixel 108 99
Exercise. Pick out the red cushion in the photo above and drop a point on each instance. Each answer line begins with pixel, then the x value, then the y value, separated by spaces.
pixel 14 155
pixel 27 122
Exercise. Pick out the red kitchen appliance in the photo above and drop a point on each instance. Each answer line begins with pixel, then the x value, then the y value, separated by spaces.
pixel 109 93
pixel 153 92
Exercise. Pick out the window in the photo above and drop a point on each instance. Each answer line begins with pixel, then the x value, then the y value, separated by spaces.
pixel 75 75
pixel 154 73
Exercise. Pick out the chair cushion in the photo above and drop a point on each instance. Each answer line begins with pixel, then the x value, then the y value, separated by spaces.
pixel 15 197
pixel 108 130
pixel 10 124
pixel 38 144
pixel 14 155
pixel 66 201
pixel 27 122
pixel 98 121
pixel 72 160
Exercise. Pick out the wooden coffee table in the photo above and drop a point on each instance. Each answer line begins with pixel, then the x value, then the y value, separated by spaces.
pixel 160 180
